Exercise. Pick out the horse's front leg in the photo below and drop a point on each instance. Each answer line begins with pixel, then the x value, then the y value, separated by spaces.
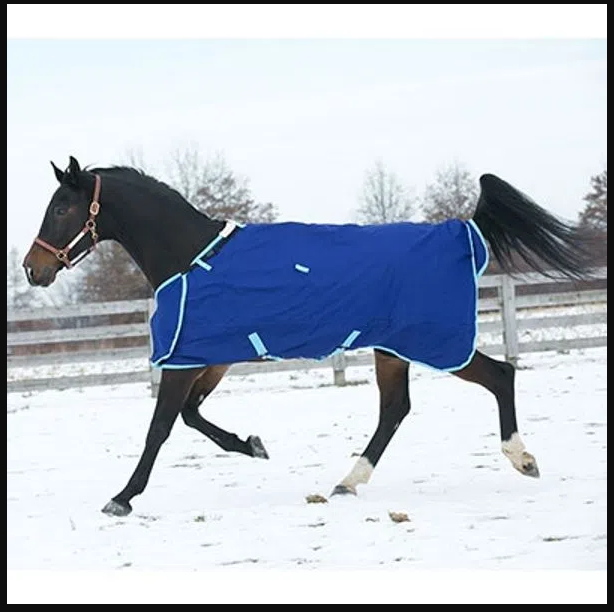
pixel 201 389
pixel 175 386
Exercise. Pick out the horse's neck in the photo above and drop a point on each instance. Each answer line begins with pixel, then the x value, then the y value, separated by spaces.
pixel 161 237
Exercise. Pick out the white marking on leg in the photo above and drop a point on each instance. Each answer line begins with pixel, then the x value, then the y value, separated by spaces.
pixel 516 452
pixel 513 447
pixel 360 474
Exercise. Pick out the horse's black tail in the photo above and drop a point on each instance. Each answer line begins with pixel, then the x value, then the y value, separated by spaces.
pixel 513 224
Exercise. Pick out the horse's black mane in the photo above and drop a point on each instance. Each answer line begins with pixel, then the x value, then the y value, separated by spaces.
pixel 136 174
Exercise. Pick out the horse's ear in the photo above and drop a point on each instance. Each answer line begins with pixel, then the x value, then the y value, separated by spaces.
pixel 71 176
pixel 59 174
pixel 73 166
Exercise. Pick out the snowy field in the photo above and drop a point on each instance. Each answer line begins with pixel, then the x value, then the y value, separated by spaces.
pixel 235 529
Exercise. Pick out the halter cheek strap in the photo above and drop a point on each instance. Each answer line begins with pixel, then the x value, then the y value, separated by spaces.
pixel 88 228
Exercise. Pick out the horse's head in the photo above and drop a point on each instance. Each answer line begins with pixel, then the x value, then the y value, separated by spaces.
pixel 68 231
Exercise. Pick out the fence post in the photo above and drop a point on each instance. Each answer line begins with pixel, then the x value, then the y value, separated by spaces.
pixel 156 373
pixel 508 313
pixel 339 363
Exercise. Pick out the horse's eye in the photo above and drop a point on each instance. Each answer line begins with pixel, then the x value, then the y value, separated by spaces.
pixel 60 210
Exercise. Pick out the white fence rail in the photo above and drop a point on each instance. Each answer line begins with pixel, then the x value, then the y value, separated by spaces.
pixel 510 324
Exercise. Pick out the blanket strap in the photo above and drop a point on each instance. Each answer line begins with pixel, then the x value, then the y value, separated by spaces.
pixel 347 343
pixel 214 246
pixel 258 344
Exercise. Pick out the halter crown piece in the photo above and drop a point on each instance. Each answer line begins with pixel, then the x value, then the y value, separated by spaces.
pixel 88 228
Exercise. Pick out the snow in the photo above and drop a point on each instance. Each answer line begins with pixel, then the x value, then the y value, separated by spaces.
pixel 242 527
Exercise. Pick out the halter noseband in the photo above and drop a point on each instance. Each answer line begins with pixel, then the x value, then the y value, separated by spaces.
pixel 88 228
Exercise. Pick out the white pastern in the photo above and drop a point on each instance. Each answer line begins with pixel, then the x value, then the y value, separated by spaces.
pixel 360 474
pixel 516 452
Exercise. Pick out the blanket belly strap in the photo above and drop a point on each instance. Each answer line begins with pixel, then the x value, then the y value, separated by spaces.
pixel 258 344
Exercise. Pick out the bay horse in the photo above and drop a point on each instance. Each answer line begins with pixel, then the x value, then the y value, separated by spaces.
pixel 286 290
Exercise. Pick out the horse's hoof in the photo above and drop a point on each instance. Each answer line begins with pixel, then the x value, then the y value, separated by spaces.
pixel 528 465
pixel 115 508
pixel 343 490
pixel 257 447
pixel 530 469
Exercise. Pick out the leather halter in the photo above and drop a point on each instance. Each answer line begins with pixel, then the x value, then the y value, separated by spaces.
pixel 88 228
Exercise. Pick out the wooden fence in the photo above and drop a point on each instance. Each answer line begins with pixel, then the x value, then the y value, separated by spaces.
pixel 89 333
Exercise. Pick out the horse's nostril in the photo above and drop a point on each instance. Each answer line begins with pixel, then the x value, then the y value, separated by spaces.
pixel 29 274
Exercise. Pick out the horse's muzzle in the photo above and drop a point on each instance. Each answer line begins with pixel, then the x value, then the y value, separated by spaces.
pixel 40 278
pixel 40 269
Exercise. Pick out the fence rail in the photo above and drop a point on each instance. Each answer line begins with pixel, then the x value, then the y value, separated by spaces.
pixel 76 325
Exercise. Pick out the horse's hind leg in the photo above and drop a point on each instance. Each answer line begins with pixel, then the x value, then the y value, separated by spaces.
pixel 498 378
pixel 201 389
pixel 393 382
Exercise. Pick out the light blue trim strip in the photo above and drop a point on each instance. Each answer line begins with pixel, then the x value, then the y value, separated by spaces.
pixel 474 225
pixel 171 366
pixel 203 264
pixel 184 293
pixel 301 268
pixel 422 363
pixel 192 366
pixel 474 344
pixel 350 339
pixel 168 281
pixel 206 249
pixel 258 344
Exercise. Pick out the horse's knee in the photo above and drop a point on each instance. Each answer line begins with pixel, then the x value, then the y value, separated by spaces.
pixel 504 378
pixel 507 369
pixel 189 412
pixel 189 415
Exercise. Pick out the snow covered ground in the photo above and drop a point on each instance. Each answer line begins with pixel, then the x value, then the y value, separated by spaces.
pixel 237 529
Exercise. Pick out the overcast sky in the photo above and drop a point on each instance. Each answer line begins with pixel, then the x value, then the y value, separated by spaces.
pixel 304 118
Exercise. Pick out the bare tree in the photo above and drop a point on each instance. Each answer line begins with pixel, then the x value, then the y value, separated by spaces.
pixel 19 294
pixel 64 291
pixel 224 195
pixel 187 171
pixel 595 213
pixel 384 199
pixel 453 195
pixel 210 185
pixel 136 158
pixel 109 275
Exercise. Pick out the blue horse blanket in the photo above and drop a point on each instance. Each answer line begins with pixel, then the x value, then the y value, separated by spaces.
pixel 292 290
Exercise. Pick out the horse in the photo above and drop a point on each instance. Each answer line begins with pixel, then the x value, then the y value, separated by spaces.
pixel 423 274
